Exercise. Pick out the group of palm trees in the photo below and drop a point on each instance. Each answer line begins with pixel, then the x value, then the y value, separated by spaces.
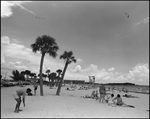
pixel 47 45
pixel 53 77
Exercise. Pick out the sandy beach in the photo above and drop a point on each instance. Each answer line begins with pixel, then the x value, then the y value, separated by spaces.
pixel 70 104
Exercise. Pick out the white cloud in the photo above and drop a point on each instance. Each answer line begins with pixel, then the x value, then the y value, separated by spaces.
pixel 17 65
pixel 91 67
pixel 2 59
pixel 140 71
pixel 139 74
pixel 6 10
pixel 6 7
pixel 79 60
pixel 5 40
pixel 111 69
pixel 77 69
pixel 15 41
pixel 146 20
pixel 16 52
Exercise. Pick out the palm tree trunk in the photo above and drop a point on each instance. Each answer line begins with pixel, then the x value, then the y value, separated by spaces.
pixel 61 80
pixel 41 81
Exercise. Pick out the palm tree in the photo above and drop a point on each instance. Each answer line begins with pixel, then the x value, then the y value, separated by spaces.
pixel 31 74
pixel 22 74
pixel 52 76
pixel 46 45
pixel 59 71
pixel 48 71
pixel 27 72
pixel 16 75
pixel 44 76
pixel 69 58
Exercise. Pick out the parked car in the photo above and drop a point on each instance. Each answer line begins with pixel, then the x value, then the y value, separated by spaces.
pixel 25 83
pixel 6 83
pixel 14 82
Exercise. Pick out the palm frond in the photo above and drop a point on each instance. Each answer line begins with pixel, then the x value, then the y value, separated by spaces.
pixel 64 55
pixel 45 44
pixel 34 47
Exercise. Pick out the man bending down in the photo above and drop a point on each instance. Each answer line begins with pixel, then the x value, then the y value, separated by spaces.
pixel 17 95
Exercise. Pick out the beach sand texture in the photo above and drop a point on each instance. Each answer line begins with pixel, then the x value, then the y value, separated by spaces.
pixel 70 104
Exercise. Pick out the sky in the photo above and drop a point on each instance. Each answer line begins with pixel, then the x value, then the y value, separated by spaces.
pixel 106 42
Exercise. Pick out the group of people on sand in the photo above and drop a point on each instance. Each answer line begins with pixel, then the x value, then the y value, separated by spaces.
pixel 108 98
pixel 22 93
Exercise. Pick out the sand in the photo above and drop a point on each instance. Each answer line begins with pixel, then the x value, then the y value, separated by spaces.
pixel 70 104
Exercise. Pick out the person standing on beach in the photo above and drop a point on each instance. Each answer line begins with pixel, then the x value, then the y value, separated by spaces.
pixel 35 87
pixel 102 92
pixel 17 95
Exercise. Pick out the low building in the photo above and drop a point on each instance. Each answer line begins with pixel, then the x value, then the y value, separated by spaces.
pixel 74 81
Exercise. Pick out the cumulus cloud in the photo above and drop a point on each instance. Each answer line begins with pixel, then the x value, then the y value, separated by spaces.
pixel 2 59
pixel 16 52
pixel 6 7
pixel 91 68
pixel 17 65
pixel 139 73
pixel 79 60
pixel 111 69
pixel 77 69
pixel 5 40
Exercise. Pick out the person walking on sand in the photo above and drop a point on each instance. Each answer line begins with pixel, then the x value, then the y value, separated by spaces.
pixel 35 87
pixel 17 96
pixel 102 92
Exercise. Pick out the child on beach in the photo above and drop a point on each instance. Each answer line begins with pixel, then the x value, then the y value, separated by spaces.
pixel 35 87
pixel 17 95
pixel 109 99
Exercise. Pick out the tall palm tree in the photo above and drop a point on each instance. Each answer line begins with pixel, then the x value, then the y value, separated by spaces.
pixel 48 72
pixel 46 45
pixel 69 58
pixel 59 71
pixel 16 75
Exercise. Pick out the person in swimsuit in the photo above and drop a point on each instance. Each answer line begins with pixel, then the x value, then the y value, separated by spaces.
pixel 118 99
pixel 109 99
pixel 17 96
pixel 102 92
pixel 35 87
pixel 119 102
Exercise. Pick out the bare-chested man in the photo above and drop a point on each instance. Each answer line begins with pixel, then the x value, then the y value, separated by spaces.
pixel 17 95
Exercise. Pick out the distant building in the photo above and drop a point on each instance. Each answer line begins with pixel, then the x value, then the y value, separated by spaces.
pixel 74 81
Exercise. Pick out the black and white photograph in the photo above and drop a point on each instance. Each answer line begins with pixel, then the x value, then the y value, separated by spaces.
pixel 74 59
